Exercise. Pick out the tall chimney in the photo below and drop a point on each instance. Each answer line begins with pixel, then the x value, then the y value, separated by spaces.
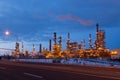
pixel 97 27
pixel 33 47
pixel 55 38
pixel 68 41
pixel 50 45
pixel 22 47
pixel 68 36
pixel 60 41
pixel 90 41
pixel 40 48
pixel 84 45
pixel 17 47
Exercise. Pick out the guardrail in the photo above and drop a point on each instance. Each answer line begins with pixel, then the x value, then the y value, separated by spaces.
pixel 73 61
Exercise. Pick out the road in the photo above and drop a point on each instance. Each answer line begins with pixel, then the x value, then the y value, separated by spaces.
pixel 29 71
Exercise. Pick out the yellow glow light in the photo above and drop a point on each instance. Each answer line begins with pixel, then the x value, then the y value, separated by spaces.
pixel 114 52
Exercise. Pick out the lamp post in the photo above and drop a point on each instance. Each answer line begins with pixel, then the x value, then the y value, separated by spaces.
pixel 17 44
pixel 8 33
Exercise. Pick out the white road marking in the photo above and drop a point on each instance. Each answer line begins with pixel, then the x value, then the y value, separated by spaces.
pixel 37 76
pixel 2 68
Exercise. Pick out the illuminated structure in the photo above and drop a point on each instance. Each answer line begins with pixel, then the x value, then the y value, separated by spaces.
pixel 78 49
pixel 100 47
pixel 16 52
pixel 74 49
pixel 100 41
pixel 57 48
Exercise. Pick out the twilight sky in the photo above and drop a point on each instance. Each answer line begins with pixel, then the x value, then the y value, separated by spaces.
pixel 34 21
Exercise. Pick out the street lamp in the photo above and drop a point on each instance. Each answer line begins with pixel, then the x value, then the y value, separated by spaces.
pixel 8 33
pixel 17 44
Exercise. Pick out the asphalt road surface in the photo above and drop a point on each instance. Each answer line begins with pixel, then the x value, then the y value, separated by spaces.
pixel 29 71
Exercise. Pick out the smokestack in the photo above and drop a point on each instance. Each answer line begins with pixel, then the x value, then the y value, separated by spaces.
pixel 55 38
pixel 89 36
pixel 33 47
pixel 40 48
pixel 17 47
pixel 68 41
pixel 50 45
pixel 97 27
pixel 68 36
pixel 22 47
pixel 90 41
pixel 60 41
pixel 84 45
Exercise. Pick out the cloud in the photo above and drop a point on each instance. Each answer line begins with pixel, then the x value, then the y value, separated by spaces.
pixel 77 19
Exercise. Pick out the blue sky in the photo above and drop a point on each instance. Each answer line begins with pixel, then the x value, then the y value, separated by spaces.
pixel 34 21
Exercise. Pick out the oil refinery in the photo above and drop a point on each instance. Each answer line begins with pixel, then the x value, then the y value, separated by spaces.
pixel 73 49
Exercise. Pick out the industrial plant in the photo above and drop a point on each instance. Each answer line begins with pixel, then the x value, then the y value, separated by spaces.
pixel 73 49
